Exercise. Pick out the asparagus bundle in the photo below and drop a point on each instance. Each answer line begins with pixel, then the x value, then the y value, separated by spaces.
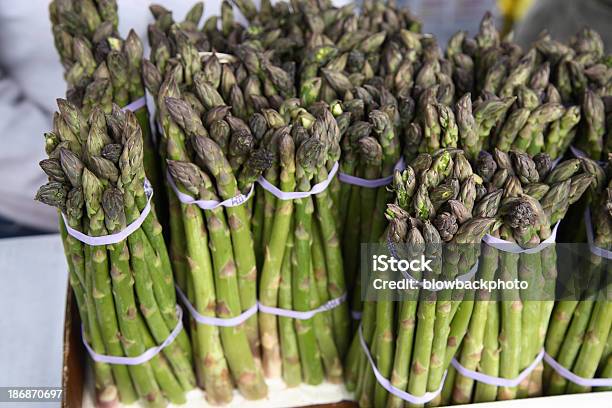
pixel 101 68
pixel 268 70
pixel 505 336
pixel 192 104
pixel 485 93
pixel 211 155
pixel 124 291
pixel 435 198
pixel 583 77
pixel 559 88
pixel 302 267
pixel 370 152
pixel 579 333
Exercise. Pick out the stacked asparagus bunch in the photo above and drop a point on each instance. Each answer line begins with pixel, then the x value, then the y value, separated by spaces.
pixel 101 68
pixel 487 93
pixel 203 135
pixel 124 291
pixel 370 150
pixel 583 77
pixel 579 335
pixel 221 281
pixel 302 267
pixel 211 155
pixel 504 337
pixel 438 200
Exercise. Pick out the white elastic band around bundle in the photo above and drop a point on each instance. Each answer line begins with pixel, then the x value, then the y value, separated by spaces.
pixel 356 314
pixel 223 58
pixel 216 321
pixel 386 384
pixel 511 247
pixel 595 250
pixel 294 314
pixel 136 105
pixel 498 381
pixel 208 204
pixel 294 195
pixel 579 154
pixel 119 236
pixel 568 375
pixel 144 357
pixel 371 183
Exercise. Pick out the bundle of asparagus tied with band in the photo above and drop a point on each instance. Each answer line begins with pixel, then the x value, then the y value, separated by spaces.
pixel 191 97
pixel 124 290
pixel 221 281
pixel 361 206
pixel 302 267
pixel 268 67
pixel 211 155
pixel 505 336
pixel 579 334
pixel 438 200
pixel 101 68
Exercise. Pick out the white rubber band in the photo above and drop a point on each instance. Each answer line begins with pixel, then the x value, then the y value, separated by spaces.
pixel 511 247
pixel 386 384
pixel 294 314
pixel 215 321
pixel 293 195
pixel 136 105
pixel 579 154
pixel 595 250
pixel 208 204
pixel 568 375
pixel 371 183
pixel 356 314
pixel 119 236
pixel 144 357
pixel 223 58
pixel 498 381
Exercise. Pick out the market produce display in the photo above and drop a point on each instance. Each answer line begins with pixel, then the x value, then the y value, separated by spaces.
pixel 281 147
pixel 124 290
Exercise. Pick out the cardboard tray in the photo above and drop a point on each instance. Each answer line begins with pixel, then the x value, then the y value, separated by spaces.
pixel 78 391
pixel 77 384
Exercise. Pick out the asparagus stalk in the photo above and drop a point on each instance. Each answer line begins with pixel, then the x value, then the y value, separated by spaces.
pixel 308 156
pixel 292 372
pixel 270 276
